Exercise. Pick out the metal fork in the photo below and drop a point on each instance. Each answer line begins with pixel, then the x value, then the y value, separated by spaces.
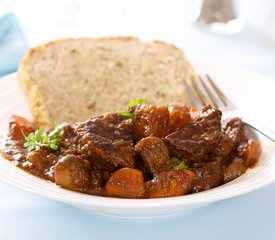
pixel 203 90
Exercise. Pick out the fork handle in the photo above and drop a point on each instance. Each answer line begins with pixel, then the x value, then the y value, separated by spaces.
pixel 261 129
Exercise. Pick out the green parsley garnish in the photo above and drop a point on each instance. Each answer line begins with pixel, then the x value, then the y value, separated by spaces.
pixel 137 101
pixel 177 163
pixel 40 139
pixel 127 113
pixel 130 104
pixel 182 165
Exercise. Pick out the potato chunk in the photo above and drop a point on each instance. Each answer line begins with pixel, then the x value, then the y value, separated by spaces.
pixel 154 153
pixel 72 172
pixel 126 183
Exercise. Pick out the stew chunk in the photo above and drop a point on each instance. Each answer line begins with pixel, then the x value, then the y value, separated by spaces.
pixel 106 141
pixel 72 172
pixel 251 152
pixel 17 125
pixel 171 183
pixel 235 169
pixel 154 153
pixel 235 130
pixel 210 116
pixel 179 116
pixel 150 121
pixel 207 176
pixel 126 183
pixel 193 142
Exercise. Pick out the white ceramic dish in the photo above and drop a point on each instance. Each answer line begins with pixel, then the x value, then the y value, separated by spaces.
pixel 233 82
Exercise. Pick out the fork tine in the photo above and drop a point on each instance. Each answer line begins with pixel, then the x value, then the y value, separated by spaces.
pixel 219 93
pixel 197 96
pixel 192 96
pixel 210 96
pixel 200 95
pixel 203 90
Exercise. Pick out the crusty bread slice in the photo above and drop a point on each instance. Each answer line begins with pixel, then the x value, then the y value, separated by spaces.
pixel 73 79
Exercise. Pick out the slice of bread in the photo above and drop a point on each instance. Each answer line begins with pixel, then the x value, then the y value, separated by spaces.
pixel 73 79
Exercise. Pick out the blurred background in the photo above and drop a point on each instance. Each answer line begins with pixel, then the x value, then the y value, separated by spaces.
pixel 249 44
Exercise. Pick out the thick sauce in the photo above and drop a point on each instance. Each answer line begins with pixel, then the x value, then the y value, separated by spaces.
pixel 168 150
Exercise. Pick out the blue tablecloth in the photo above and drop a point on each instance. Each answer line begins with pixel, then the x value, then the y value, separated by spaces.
pixel 13 44
pixel 26 216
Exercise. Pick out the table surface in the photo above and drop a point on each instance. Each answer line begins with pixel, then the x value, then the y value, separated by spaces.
pixel 251 216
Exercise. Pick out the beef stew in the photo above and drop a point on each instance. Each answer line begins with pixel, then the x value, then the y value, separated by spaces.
pixel 165 151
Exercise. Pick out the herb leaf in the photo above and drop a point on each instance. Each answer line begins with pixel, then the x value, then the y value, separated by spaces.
pixel 177 163
pixel 54 133
pixel 127 113
pixel 40 139
pixel 137 101
pixel 183 165
pixel 130 104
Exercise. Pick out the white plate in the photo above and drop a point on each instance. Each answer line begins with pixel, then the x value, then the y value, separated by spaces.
pixel 241 86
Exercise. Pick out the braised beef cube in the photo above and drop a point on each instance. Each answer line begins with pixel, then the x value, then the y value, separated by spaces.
pixel 235 169
pixel 125 183
pixel 40 163
pixel 154 153
pixel 72 172
pixel 68 140
pixel 193 141
pixel 235 129
pixel 108 154
pixel 175 182
pixel 68 133
pixel 224 147
pixel 208 176
pixel 211 116
pixel 250 152
pixel 112 126
pixel 150 121
pixel 17 125
pixel 106 141
pixel 179 116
